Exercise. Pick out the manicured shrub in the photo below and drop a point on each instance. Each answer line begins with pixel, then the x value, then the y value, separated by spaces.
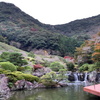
pixel 87 67
pixel 91 67
pixel 20 68
pixel 13 57
pixel 13 77
pixel 56 66
pixel 1 71
pixel 84 67
pixel 70 66
pixel 30 77
pixel 81 69
pixel 48 79
pixel 25 68
pixel 17 75
pixel 8 66
pixel 62 75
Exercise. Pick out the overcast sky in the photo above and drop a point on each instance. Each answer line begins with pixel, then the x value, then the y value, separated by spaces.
pixel 58 11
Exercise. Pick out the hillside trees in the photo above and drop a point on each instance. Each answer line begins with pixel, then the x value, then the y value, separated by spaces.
pixel 96 55
pixel 89 52
pixel 3 39
pixel 68 45
pixel 13 57
pixel 30 33
pixel 44 40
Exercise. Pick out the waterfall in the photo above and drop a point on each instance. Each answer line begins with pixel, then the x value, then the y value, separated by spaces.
pixel 85 78
pixel 76 77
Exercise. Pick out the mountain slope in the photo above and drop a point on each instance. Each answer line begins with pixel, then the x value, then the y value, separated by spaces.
pixel 84 26
pixel 7 48
pixel 19 27
pixel 27 33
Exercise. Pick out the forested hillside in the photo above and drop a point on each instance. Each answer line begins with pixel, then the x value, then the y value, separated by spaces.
pixel 81 27
pixel 24 32
pixel 27 33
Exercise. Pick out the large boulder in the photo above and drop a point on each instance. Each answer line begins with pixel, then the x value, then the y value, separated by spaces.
pixel 92 76
pixel 98 77
pixel 4 89
pixel 38 85
pixel 71 77
pixel 81 76
pixel 41 71
pixel 22 84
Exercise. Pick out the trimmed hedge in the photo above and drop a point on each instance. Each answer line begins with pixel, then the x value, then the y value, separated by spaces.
pixel 56 66
pixel 8 66
pixel 17 75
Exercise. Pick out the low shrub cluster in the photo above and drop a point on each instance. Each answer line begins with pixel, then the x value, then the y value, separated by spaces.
pixel 56 66
pixel 87 67
pixel 13 57
pixel 48 79
pixel 8 66
pixel 17 75
pixel 70 66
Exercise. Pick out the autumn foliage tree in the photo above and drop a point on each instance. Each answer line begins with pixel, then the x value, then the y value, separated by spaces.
pixel 96 55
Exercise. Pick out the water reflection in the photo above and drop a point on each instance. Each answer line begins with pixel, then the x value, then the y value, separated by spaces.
pixel 72 92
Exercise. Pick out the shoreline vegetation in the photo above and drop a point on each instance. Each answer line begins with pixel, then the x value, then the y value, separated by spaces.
pixel 45 71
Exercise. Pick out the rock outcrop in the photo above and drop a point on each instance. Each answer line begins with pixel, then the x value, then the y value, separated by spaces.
pixel 4 89
pixel 41 71
pixel 22 84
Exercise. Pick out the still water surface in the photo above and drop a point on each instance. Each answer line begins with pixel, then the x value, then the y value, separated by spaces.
pixel 72 92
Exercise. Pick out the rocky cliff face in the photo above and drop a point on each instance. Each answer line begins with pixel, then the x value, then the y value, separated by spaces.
pixel 4 89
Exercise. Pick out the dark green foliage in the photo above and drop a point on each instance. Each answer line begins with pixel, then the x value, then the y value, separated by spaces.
pixel 30 33
pixel 13 77
pixel 17 75
pixel 30 77
pixel 87 67
pixel 51 79
pixel 97 65
pixel 84 67
pixel 25 69
pixel 61 76
pixel 17 59
pixel 20 68
pixel 3 39
pixel 68 45
pixel 3 71
pixel 70 66
pixel 48 79
pixel 8 66
pixel 10 84
pixel 13 57
pixel 78 27
pixel 4 57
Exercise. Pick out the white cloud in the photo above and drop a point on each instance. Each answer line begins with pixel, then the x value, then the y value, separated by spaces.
pixel 58 11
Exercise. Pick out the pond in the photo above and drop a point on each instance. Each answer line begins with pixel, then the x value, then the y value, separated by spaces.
pixel 72 92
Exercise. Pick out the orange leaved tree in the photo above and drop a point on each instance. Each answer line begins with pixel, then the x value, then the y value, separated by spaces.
pixel 96 55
